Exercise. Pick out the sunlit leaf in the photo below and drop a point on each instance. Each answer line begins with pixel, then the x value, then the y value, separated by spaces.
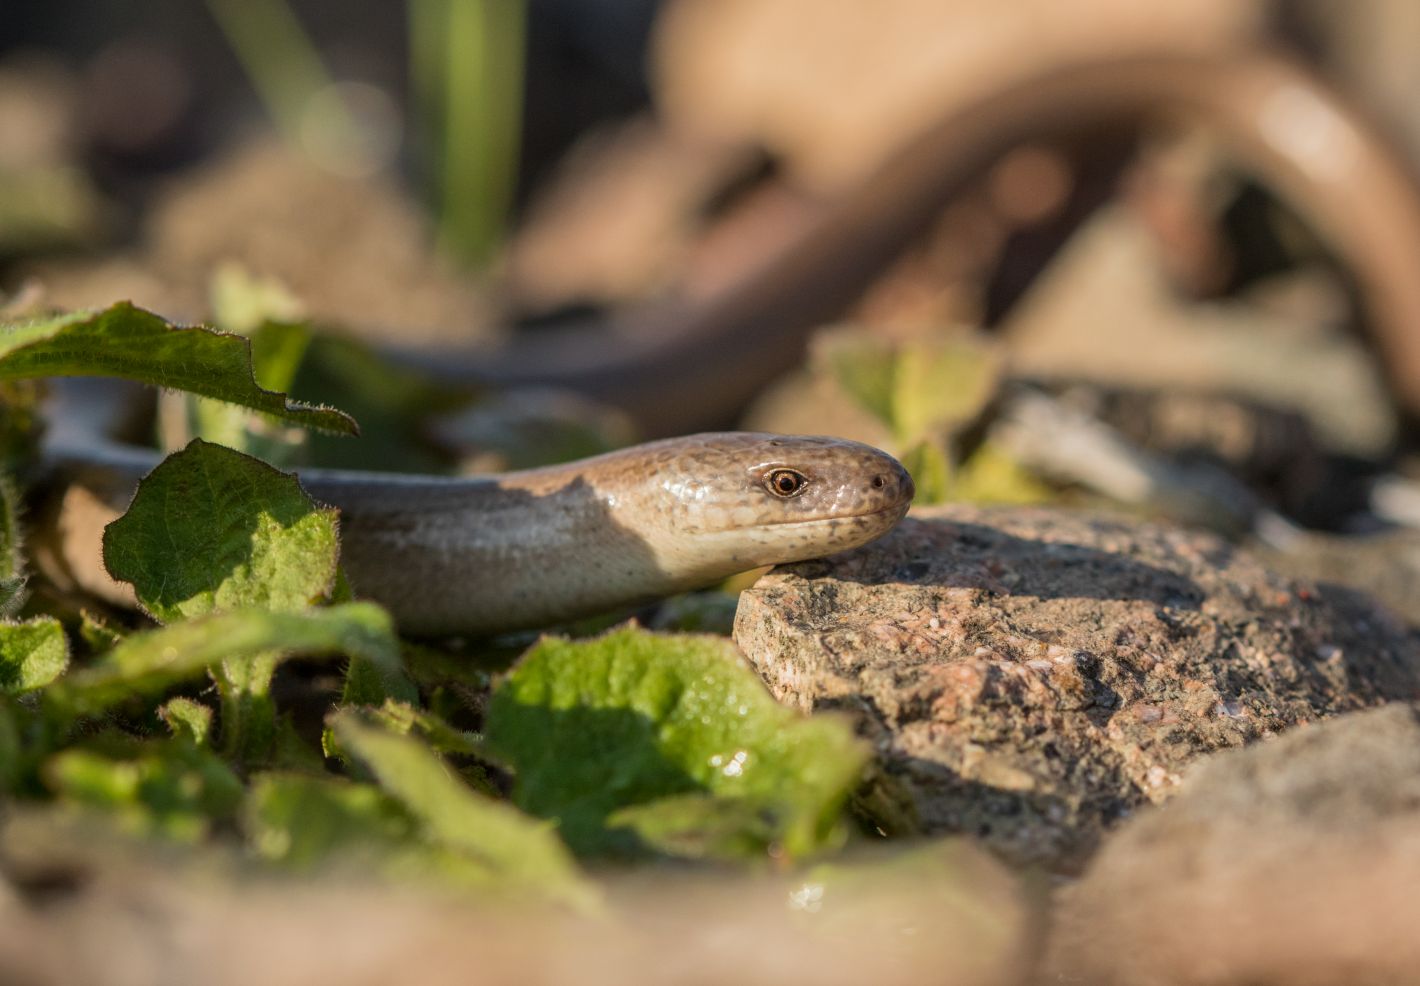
pixel 632 717
pixel 32 654
pixel 149 663
pixel 168 788
pixel 302 821
pixel 211 529
pixel 188 719
pixel 516 850
pixel 127 342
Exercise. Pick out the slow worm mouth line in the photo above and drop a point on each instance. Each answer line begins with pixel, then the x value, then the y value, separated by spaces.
pixel 825 520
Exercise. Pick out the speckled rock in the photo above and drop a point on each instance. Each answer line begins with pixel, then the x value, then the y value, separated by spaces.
pixel 1292 862
pixel 1032 676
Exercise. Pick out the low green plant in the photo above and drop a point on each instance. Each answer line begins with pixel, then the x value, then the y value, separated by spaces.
pixel 171 724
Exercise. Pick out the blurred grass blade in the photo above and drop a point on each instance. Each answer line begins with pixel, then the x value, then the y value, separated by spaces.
pixel 282 63
pixel 467 66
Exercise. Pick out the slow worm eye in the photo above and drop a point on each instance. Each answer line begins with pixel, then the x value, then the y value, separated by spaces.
pixel 786 482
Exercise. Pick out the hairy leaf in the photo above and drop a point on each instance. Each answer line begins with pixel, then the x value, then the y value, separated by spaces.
pixel 127 342
pixel 515 849
pixel 277 350
pixel 169 788
pixel 147 664
pixel 211 529
pixel 187 719
pixel 12 566
pixel 633 717
pixel 32 654
pixel 403 718
pixel 302 821
pixel 701 826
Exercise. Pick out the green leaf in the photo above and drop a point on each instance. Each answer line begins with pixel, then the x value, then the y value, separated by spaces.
pixel 32 654
pixel 701 826
pixel 405 719
pixel 12 754
pixel 515 850
pixel 211 529
pixel 133 344
pixel 931 472
pixel 923 389
pixel 290 750
pixel 147 664
pixel 188 719
pixel 248 713
pixel 169 788
pixel 303 821
pixel 242 301
pixel 374 685
pixel 987 476
pixel 97 635
pixel 277 350
pixel 864 367
pixel 12 568
pixel 944 383
pixel 627 719
pixel 990 475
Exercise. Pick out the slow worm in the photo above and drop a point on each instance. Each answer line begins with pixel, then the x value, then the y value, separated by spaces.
pixel 521 549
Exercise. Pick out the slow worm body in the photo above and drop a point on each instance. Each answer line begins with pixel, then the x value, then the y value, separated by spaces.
pixel 530 548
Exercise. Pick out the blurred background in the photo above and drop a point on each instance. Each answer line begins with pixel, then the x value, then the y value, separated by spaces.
pixel 1159 258
pixel 1164 261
